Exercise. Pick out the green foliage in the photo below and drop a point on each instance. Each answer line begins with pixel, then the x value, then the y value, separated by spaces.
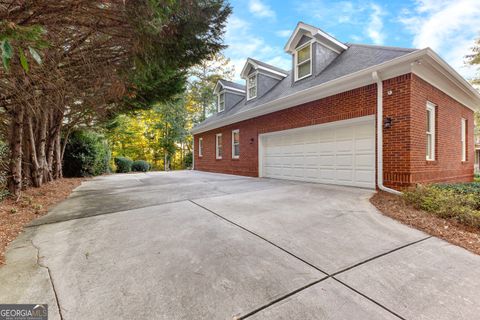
pixel 202 80
pixel 172 37
pixel 140 166
pixel 86 154
pixel 20 38
pixel 189 160
pixel 477 177
pixel 451 201
pixel 123 164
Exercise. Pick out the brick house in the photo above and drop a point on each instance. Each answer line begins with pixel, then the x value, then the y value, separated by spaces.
pixel 347 114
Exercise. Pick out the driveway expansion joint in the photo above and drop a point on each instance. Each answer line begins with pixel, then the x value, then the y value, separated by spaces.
pixel 368 298
pixel 59 309
pixel 328 275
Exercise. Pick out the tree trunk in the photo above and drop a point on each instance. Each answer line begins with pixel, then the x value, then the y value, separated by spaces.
pixel 37 174
pixel 16 141
pixel 57 167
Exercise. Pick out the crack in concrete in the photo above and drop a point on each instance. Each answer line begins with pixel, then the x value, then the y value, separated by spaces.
pixel 59 309
pixel 328 275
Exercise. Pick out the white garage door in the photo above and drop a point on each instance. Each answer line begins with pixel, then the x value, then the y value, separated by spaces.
pixel 341 152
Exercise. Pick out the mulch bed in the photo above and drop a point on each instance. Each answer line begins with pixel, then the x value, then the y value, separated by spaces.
pixel 33 203
pixel 448 229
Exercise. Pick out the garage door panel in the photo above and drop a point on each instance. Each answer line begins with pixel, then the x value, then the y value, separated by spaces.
pixel 344 133
pixel 344 145
pixel 344 160
pixel 365 176
pixel 326 160
pixel 344 175
pixel 365 160
pixel 339 153
pixel 326 147
pixel 327 175
pixel 364 144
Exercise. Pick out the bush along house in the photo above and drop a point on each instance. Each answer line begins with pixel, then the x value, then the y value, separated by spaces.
pixel 346 114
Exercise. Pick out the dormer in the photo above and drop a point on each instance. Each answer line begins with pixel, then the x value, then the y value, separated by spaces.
pixel 312 51
pixel 260 77
pixel 228 94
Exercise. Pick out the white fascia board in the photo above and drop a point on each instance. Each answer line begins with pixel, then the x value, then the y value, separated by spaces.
pixel 219 83
pixel 331 39
pixel 272 71
pixel 216 89
pixel 395 67
pixel 314 33
pixel 233 89
pixel 244 74
pixel 453 74
pixel 256 66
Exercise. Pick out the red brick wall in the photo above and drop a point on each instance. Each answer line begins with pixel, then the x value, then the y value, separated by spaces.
pixel 396 142
pixel 404 147
pixel 448 165
pixel 351 104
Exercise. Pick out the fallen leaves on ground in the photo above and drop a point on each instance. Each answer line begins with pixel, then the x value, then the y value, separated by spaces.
pixel 33 203
pixel 448 229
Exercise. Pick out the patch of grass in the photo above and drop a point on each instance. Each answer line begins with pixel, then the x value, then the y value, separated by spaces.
pixel 460 201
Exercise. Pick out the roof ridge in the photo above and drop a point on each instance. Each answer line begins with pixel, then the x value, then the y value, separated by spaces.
pixel 381 47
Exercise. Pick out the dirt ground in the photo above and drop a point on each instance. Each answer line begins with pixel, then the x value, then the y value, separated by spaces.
pixel 449 230
pixel 33 203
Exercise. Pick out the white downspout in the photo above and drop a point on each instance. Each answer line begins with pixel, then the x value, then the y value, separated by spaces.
pixel 378 80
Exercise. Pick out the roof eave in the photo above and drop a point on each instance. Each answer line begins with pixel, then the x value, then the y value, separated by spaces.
pixel 336 84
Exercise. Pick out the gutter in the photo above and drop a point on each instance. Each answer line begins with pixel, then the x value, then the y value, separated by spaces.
pixel 291 100
pixel 380 185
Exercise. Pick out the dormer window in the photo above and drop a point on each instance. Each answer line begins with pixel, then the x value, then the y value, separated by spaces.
pixel 303 61
pixel 221 102
pixel 252 86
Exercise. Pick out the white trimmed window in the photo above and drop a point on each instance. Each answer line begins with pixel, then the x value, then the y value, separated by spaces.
pixel 221 102
pixel 218 146
pixel 430 131
pixel 252 86
pixel 200 147
pixel 303 61
pixel 235 144
pixel 464 139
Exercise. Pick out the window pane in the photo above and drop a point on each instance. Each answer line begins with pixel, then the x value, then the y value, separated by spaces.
pixel 236 149
pixel 236 137
pixel 303 70
pixel 252 92
pixel 429 124
pixel 429 146
pixel 251 81
pixel 303 54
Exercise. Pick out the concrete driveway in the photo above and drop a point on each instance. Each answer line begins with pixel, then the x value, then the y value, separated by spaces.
pixel 192 245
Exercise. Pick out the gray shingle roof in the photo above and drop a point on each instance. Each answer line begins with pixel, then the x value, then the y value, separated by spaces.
pixel 357 57
pixel 232 84
pixel 269 66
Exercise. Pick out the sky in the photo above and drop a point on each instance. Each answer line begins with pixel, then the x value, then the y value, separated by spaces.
pixel 261 28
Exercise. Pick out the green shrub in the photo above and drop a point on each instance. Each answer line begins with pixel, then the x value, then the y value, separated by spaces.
pixel 141 166
pixel 452 201
pixel 188 160
pixel 123 164
pixel 86 154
